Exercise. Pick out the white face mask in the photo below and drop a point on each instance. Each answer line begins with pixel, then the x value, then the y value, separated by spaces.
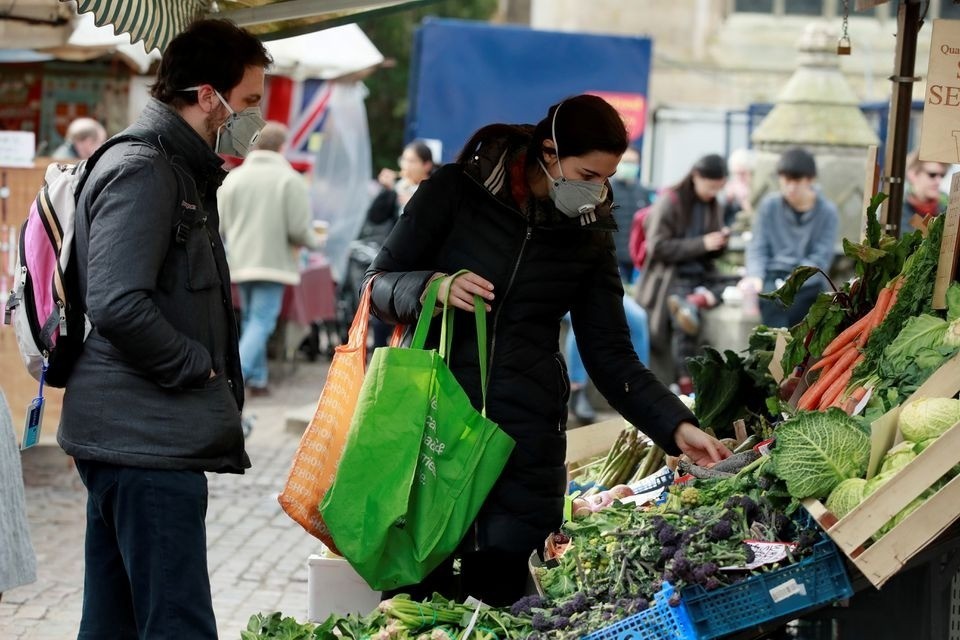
pixel 239 132
pixel 574 198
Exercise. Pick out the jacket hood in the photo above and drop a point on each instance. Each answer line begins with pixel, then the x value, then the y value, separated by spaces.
pixel 499 166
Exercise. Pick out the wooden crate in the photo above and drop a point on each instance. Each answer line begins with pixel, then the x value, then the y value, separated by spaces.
pixel 593 439
pixel 890 553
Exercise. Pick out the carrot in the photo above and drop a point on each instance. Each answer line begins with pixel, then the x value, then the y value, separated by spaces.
pixel 877 314
pixel 833 357
pixel 846 336
pixel 811 397
pixel 855 397
pixel 835 390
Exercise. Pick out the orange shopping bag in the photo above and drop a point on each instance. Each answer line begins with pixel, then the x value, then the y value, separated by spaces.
pixel 315 462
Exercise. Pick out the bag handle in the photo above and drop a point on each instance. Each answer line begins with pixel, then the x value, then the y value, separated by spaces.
pixel 446 328
pixel 357 336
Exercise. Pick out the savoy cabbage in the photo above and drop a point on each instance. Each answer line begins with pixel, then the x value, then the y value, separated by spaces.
pixel 815 451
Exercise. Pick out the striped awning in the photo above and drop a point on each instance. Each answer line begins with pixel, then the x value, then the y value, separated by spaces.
pixel 156 22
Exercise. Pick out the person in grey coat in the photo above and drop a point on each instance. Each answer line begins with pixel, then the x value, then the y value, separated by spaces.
pixel 18 565
pixel 154 400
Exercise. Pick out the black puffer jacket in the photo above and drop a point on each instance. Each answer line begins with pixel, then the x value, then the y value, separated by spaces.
pixel 542 265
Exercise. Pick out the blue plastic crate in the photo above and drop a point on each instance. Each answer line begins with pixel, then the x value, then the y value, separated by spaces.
pixel 660 622
pixel 816 580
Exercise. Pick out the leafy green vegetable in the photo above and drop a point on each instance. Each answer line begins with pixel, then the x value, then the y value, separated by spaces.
pixel 876 261
pixel 729 387
pixel 919 332
pixel 786 293
pixel 915 298
pixel 898 457
pixel 928 418
pixel 845 496
pixel 816 451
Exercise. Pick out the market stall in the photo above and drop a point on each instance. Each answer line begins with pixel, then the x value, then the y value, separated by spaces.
pixel 844 433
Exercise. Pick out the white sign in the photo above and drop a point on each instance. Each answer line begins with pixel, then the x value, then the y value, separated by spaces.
pixel 940 131
pixel 16 148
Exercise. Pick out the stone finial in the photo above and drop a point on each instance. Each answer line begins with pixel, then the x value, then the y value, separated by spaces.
pixel 818 46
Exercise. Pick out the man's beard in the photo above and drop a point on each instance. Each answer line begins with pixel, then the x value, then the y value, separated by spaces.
pixel 212 124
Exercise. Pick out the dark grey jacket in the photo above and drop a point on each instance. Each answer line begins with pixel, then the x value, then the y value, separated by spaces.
pixel 542 265
pixel 161 311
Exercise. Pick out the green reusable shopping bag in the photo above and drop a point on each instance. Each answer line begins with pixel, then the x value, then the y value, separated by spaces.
pixel 418 462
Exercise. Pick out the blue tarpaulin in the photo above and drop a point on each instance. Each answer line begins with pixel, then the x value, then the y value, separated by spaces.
pixel 465 75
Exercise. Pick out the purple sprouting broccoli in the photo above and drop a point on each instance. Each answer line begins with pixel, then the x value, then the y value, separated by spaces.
pixel 667 535
pixel 712 583
pixel 750 508
pixel 580 603
pixel 704 571
pixel 641 604
pixel 524 605
pixel 674 600
pixel 540 622
pixel 722 530
pixel 666 553
pixel 669 576
pixel 750 555
pixel 806 539
pixel 560 622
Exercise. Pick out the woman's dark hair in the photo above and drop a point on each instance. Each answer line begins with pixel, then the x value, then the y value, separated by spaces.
pixel 422 150
pixel 712 167
pixel 584 123
pixel 214 52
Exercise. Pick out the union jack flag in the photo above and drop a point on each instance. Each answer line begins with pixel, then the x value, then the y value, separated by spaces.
pixel 303 106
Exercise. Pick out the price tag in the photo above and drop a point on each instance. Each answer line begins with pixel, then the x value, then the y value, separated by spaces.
pixel 788 589
pixel 763 553
pixel 33 423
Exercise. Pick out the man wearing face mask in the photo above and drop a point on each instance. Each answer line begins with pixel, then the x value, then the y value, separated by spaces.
pixel 154 399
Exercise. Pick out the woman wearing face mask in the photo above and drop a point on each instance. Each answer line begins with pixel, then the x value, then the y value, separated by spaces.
pixel 526 211
pixel 684 234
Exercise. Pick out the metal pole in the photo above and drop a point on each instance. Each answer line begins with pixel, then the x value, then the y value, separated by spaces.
pixel 898 124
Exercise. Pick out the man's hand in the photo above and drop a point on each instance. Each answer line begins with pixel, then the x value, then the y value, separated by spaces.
pixel 750 283
pixel 388 178
pixel 702 448
pixel 462 290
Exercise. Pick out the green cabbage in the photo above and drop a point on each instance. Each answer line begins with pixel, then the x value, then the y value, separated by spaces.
pixel 899 457
pixel 928 418
pixel 816 451
pixel 878 481
pixel 847 495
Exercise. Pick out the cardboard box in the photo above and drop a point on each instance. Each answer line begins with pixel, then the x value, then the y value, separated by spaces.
pixel 891 552
pixel 334 587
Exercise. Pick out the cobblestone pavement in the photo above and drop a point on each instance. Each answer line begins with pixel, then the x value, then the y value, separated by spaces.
pixel 257 555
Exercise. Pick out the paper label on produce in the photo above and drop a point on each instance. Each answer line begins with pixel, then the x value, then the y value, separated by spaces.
pixel 473 619
pixel 789 588
pixel 764 447
pixel 863 402
pixel 659 480
pixel 763 553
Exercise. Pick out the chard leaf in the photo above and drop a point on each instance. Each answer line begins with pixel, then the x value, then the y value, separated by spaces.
pixel 785 294
pixel 862 252
pixel 815 451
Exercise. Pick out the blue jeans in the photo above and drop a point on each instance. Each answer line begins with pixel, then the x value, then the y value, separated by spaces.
pixel 146 554
pixel 259 308
pixel 639 336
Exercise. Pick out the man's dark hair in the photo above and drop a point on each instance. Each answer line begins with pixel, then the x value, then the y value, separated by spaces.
pixel 214 52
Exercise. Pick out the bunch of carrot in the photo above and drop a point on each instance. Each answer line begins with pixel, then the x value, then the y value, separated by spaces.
pixel 842 356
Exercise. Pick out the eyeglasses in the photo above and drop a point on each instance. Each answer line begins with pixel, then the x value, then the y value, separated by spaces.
pixel 935 175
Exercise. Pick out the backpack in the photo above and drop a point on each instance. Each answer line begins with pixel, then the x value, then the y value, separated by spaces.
pixel 45 306
pixel 638 236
